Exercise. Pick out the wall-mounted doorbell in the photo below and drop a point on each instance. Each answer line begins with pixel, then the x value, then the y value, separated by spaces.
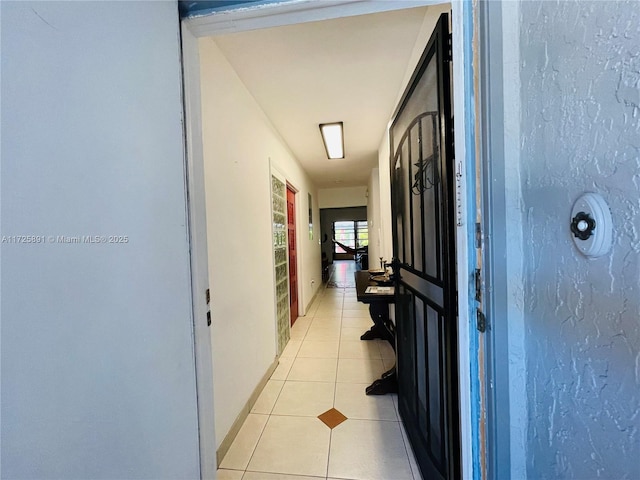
pixel 591 225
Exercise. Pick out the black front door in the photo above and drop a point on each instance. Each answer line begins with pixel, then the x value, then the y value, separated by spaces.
pixel 422 178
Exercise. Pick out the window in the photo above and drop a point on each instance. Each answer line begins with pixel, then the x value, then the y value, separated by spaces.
pixel 354 234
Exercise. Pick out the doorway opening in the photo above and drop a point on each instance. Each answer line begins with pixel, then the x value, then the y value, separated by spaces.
pixel 293 255
pixel 468 424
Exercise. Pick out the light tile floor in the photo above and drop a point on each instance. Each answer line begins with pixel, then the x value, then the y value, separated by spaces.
pixel 325 365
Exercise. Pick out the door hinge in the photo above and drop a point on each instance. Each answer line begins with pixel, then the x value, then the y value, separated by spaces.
pixel 450 48
pixel 481 321
pixel 207 296
pixel 478 281
pixel 478 235
pixel 209 318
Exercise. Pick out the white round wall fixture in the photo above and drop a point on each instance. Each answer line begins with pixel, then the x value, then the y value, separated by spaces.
pixel 591 225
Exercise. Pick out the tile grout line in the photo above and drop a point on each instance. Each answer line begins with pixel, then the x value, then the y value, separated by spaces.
pixel 335 385
pixel 334 397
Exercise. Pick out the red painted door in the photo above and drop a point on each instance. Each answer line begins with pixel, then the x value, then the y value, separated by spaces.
pixel 293 270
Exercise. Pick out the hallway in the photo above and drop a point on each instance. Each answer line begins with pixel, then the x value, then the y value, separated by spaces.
pixel 324 370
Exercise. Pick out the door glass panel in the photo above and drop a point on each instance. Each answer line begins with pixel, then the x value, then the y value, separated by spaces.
pixel 406 357
pixel 431 206
pixel 439 212
pixel 421 358
pixel 398 200
pixel 417 185
pixel 434 355
pixel 418 172
pixel 406 173
pixel 424 98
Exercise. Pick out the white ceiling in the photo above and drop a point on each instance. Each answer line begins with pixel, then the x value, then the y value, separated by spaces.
pixel 348 69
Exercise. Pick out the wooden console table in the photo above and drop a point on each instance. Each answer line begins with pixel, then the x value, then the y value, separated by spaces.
pixel 378 300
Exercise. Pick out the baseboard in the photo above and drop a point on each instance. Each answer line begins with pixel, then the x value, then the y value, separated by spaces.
pixel 313 299
pixel 244 413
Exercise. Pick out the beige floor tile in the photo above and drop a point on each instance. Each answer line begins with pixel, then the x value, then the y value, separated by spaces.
pixel 394 399
pixel 298 335
pixel 328 313
pixel 305 399
pixel 303 320
pixel 313 370
pixel 368 450
pixel 319 349
pixel 292 445
pixel 333 292
pixel 357 322
pixel 239 454
pixel 333 323
pixel 267 399
pixel 355 305
pixel 229 474
pixel 323 334
pixel 332 301
pixel 386 350
pixel 353 334
pixel 356 314
pixel 291 350
pixel 300 328
pixel 352 401
pixel 327 322
pixel 276 476
pixel 359 349
pixel 329 310
pixel 360 370
pixel 388 363
pixel 284 365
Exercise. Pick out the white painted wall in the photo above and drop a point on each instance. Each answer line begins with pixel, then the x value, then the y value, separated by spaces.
pixel 342 197
pixel 373 217
pixel 98 373
pixel 239 145
pixel 384 181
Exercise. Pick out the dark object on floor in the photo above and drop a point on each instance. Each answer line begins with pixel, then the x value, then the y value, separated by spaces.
pixel 388 383
pixel 325 267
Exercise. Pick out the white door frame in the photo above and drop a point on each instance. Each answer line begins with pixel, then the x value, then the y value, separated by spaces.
pixel 301 11
pixel 196 214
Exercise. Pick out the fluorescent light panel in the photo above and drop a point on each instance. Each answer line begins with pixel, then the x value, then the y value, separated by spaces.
pixel 333 139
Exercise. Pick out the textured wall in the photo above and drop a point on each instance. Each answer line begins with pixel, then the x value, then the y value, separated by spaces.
pixel 580 74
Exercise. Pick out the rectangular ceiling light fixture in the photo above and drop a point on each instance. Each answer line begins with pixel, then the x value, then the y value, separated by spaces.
pixel 333 139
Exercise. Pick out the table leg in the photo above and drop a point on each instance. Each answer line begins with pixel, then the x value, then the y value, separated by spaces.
pixel 383 329
pixel 388 383
pixel 381 325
